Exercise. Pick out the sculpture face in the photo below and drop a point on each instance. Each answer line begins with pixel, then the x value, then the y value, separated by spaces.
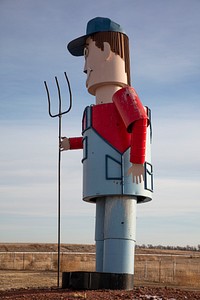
pixel 103 67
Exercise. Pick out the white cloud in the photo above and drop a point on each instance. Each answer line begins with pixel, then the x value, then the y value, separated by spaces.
pixel 28 177
pixel 176 146
pixel 173 197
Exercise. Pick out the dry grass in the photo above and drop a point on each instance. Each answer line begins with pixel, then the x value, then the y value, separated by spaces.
pixel 152 266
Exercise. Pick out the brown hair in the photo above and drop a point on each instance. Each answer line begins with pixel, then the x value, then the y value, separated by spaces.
pixel 119 44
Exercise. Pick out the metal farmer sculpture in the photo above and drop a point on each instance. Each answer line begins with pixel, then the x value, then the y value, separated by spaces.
pixel 116 138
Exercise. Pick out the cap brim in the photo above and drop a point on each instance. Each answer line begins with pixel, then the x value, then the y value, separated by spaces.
pixel 76 47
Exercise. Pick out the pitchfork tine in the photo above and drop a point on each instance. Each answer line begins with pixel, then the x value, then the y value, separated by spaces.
pixel 48 97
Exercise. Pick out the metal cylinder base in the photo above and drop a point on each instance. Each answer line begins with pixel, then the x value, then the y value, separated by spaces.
pixel 96 281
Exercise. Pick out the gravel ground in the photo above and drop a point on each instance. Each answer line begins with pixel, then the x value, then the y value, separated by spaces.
pixel 42 286
pixel 139 293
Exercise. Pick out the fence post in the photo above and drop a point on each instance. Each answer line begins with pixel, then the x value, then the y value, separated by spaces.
pixel 145 270
pixel 159 270
pixel 174 269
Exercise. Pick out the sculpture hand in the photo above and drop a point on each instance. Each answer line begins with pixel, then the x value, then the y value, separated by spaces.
pixel 137 171
pixel 64 144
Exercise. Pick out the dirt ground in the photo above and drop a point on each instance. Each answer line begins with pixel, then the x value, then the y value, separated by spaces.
pixel 18 285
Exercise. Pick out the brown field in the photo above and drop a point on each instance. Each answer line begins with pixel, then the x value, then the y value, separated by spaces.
pixel 34 247
pixel 155 270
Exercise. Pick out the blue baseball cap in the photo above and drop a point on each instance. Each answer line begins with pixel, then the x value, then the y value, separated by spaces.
pixel 98 24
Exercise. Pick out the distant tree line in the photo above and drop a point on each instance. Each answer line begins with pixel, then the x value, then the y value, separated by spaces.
pixel 183 248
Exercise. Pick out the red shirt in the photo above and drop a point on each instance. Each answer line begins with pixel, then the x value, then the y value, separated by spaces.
pixel 122 123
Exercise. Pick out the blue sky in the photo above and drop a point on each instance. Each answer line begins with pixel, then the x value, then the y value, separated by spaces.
pixel 165 71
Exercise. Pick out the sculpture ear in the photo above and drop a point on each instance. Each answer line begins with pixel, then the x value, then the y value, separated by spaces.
pixel 107 51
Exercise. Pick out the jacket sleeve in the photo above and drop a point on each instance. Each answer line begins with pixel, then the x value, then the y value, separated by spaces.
pixel 135 119
pixel 76 143
pixel 138 141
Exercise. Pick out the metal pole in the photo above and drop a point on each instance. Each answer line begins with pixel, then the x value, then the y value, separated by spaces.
pixel 59 202
pixel 59 181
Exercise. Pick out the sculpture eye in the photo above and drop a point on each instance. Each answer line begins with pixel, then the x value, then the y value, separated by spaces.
pixel 86 52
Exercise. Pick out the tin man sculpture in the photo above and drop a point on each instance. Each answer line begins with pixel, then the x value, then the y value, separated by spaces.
pixel 116 140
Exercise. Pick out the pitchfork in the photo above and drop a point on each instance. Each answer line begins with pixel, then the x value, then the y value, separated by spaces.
pixel 59 115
